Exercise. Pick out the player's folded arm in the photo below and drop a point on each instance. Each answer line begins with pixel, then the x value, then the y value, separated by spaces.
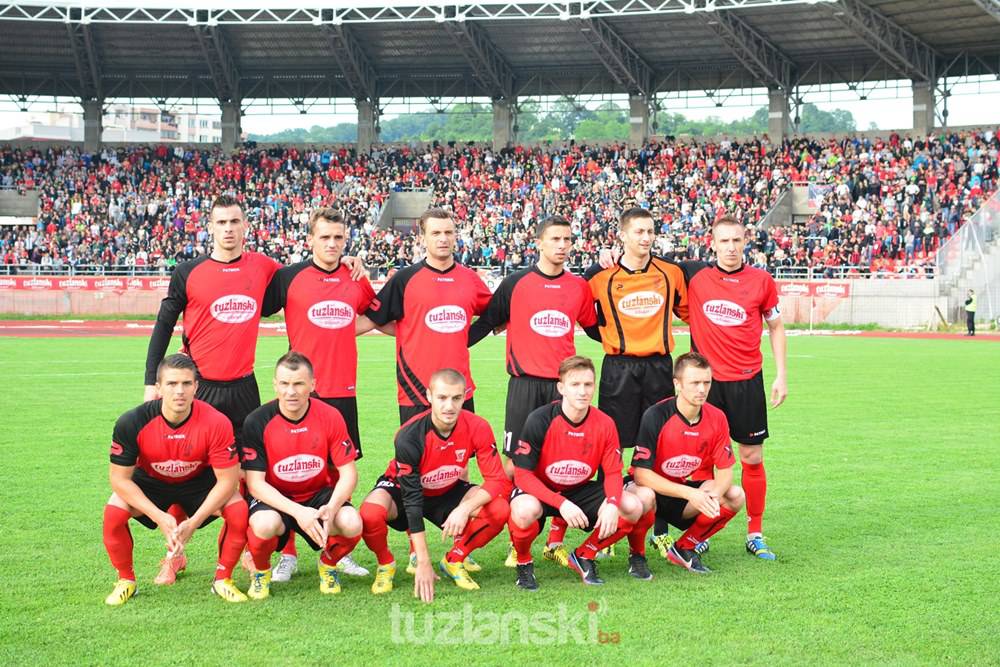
pixel 171 307
pixel 611 464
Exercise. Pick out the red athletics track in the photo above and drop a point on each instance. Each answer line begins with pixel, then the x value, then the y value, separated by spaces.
pixel 104 328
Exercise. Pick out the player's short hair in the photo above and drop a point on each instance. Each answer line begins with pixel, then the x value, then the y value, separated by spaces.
pixel 440 213
pixel 226 200
pixel 179 362
pixel 727 220
pixel 692 360
pixel 576 363
pixel 448 376
pixel 293 361
pixel 551 221
pixel 325 213
pixel 633 213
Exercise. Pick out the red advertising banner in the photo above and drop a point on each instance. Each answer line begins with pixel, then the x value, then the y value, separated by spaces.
pixel 85 283
pixel 827 289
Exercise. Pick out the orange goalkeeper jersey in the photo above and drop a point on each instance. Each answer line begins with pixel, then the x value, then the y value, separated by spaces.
pixel 634 308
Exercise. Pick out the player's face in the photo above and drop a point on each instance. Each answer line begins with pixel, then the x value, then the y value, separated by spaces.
pixel 577 387
pixel 293 388
pixel 693 385
pixel 439 238
pixel 177 386
pixel 446 401
pixel 555 244
pixel 638 237
pixel 728 242
pixel 327 242
pixel 228 228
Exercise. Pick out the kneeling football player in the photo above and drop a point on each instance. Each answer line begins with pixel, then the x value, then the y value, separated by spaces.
pixel 425 481
pixel 175 449
pixel 561 447
pixel 683 464
pixel 299 463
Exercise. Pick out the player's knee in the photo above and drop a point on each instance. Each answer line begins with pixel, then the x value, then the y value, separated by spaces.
pixel 751 454
pixel 645 495
pixel 379 497
pixel 497 510
pixel 349 522
pixel 735 498
pixel 525 510
pixel 116 501
pixel 630 507
pixel 266 525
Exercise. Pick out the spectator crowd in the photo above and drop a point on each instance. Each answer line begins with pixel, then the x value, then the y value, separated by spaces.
pixel 882 205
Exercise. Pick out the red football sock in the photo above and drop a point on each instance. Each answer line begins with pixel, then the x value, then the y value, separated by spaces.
pixel 754 484
pixel 261 549
pixel 704 527
pixel 522 538
pixel 232 538
pixel 480 529
pixel 637 538
pixel 557 530
pixel 290 549
pixel 338 546
pixel 376 531
pixel 593 543
pixel 177 512
pixel 118 540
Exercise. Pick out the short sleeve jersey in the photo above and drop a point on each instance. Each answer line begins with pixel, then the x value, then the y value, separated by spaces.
pixel 726 317
pixel 672 447
pixel 432 310
pixel 564 454
pixel 221 303
pixel 635 308
pixel 173 453
pixel 430 464
pixel 542 312
pixel 321 308
pixel 300 457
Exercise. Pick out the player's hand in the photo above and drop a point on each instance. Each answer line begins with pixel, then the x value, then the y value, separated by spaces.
pixel 150 393
pixel 168 526
pixel 607 521
pixel 455 524
pixel 607 258
pixel 423 582
pixel 574 516
pixel 185 529
pixel 357 267
pixel 704 503
pixel 779 391
pixel 500 329
pixel 309 521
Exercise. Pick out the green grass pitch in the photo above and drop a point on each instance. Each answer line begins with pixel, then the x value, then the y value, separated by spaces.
pixel 882 469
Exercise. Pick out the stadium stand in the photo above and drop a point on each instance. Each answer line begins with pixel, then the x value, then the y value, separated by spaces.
pixel 888 206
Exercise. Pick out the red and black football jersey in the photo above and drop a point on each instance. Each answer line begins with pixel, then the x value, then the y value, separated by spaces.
pixel 542 311
pixel 726 312
pixel 173 453
pixel 672 447
pixel 432 310
pixel 300 457
pixel 221 303
pixel 321 308
pixel 430 464
pixel 563 455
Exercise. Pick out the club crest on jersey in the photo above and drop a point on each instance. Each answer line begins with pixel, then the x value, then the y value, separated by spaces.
pixel 569 472
pixel 641 304
pixel 330 314
pixel 459 455
pixel 233 308
pixel 298 468
pixel 446 319
pixel 680 466
pixel 441 477
pixel 550 323
pixel 724 313
pixel 175 468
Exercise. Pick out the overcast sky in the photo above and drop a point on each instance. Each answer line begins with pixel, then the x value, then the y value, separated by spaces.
pixel 888 107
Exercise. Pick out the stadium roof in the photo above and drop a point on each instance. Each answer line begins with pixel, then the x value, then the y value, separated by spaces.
pixel 378 49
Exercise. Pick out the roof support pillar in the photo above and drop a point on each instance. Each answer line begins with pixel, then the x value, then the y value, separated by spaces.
pixel 93 125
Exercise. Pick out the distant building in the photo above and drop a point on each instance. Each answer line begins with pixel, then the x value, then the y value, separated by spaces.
pixel 123 123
